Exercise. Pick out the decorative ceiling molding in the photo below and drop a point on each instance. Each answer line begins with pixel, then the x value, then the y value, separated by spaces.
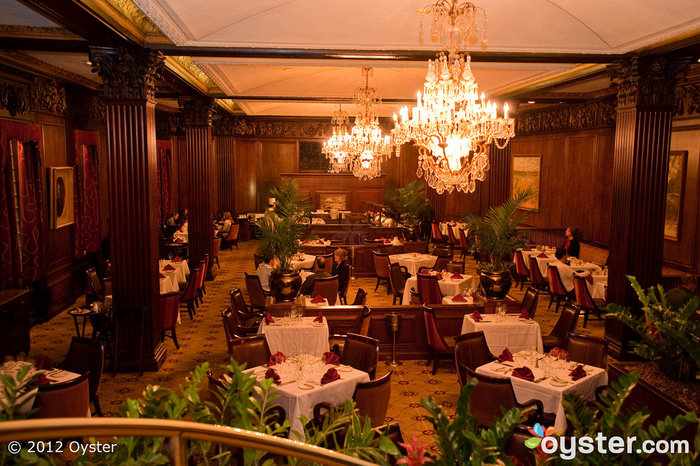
pixel 552 80
pixel 129 19
pixel 35 32
pixel 227 125
pixel 188 70
pixel 161 19
pixel 27 62
pixel 595 114
pixel 228 105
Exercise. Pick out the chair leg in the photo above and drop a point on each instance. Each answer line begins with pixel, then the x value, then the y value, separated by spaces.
pixel 585 317
pixel 377 286
pixel 556 308
pixel 190 309
pixel 436 360
pixel 96 403
pixel 551 300
pixel 177 345
pixel 217 262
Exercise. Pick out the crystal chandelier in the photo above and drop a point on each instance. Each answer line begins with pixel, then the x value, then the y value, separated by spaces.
pixel 451 124
pixel 335 148
pixel 363 150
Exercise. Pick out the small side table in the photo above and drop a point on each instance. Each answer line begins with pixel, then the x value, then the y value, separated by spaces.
pixel 84 314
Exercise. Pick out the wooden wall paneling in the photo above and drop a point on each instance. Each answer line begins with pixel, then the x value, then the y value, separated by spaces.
pixel 277 156
pixel 103 173
pixel 362 199
pixel 226 175
pixel 360 191
pixel 602 196
pixel 214 178
pixel 498 177
pixel 180 148
pixel 246 175
pixel 579 187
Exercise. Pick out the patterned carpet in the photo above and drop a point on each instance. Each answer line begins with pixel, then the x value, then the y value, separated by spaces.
pixel 202 339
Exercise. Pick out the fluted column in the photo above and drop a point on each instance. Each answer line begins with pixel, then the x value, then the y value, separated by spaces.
pixel 640 171
pixel 128 78
pixel 499 174
pixel 198 115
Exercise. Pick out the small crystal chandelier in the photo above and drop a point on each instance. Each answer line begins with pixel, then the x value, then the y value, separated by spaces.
pixel 335 147
pixel 451 124
pixel 363 150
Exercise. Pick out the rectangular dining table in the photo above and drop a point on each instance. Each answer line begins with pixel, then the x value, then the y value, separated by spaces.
pixel 413 261
pixel 297 335
pixel 448 286
pixel 508 331
pixel 300 391
pixel 552 382
pixel 53 375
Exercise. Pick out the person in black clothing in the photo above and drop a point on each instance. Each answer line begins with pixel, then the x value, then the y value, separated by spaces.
pixel 308 285
pixel 341 269
pixel 678 297
pixel 572 247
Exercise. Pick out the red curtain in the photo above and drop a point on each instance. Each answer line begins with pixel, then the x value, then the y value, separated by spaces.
pixel 21 222
pixel 86 230
pixel 164 172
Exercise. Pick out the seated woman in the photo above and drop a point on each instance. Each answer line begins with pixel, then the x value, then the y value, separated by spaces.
pixel 172 219
pixel 308 285
pixel 265 269
pixel 341 269
pixel 571 247
pixel 226 223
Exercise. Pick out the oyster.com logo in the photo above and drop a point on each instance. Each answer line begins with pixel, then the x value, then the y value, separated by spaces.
pixel 538 433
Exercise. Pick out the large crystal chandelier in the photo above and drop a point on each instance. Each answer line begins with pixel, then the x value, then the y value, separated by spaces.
pixel 451 124
pixel 335 148
pixel 363 150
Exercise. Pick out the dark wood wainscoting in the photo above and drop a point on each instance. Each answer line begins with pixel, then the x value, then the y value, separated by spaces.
pixel 359 194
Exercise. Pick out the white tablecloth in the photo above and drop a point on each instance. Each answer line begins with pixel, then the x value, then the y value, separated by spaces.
pixel 456 226
pixel 448 300
pixel 511 332
pixel 413 261
pixel 182 270
pixel 584 266
pixel 303 261
pixel 168 284
pixel 53 375
pixel 297 401
pixel 296 336
pixel 180 235
pixel 541 261
pixel 550 395
pixel 597 288
pixel 448 286
pixel 317 242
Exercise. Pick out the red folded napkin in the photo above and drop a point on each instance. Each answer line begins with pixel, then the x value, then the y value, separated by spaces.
pixel 269 319
pixel 330 375
pixel 456 276
pixel 276 358
pixel 425 272
pixel 42 381
pixel 320 242
pixel 319 317
pixel 43 362
pixel 542 255
pixel 523 373
pixel 453 225
pixel 387 241
pixel 272 374
pixel 459 298
pixel 524 314
pixel 160 275
pixel 577 373
pixel 589 279
pixel 178 240
pixel 177 259
pixel 169 267
pixel 329 357
pixel 476 317
pixel 557 352
pixel 317 299
pixel 506 355
pixel 439 275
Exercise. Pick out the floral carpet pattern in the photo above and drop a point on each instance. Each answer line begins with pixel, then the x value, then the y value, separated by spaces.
pixel 202 339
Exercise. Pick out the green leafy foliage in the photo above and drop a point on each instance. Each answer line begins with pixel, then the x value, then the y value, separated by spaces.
pixel 280 230
pixel 496 234
pixel 410 205
pixel 666 336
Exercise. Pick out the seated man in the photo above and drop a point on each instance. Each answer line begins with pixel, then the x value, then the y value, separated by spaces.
pixel 308 285
pixel 677 297
pixel 566 272
pixel 264 270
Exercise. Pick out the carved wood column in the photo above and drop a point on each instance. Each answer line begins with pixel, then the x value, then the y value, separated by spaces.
pixel 642 139
pixel 198 133
pixel 128 78
pixel 499 174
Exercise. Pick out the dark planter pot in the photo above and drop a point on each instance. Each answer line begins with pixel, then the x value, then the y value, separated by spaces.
pixel 682 369
pixel 496 285
pixel 285 286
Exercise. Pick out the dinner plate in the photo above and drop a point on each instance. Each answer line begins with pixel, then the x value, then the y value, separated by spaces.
pixel 259 371
pixel 318 324
pixel 344 368
pixel 556 383
pixel 306 386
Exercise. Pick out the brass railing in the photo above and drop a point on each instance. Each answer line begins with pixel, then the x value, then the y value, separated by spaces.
pixel 177 432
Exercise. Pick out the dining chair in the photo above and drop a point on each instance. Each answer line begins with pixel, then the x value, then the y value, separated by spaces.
pixel 465 247
pixel 557 292
pixel 441 263
pixel 441 250
pixel 87 356
pixel 232 236
pixel 343 288
pixel 415 297
pixel 95 286
pixel 471 351
pixel 215 248
pixel 438 344
pixel 247 321
pixel 252 351
pixel 328 266
pixel 452 240
pixel 515 446
pixel 522 274
pixel 585 301
pixel 256 294
pixel 326 287
pixel 67 399
pixel 529 302
pixel 491 395
pixel 565 325
pixel 361 352
pixel 588 350
pixel 201 273
pixel 371 400
pixel 536 277
pixel 429 289
pixel 397 279
pixel 189 294
pixel 381 268
pixel 437 237
pixel 454 266
pixel 230 326
pixel 360 298
pixel 169 307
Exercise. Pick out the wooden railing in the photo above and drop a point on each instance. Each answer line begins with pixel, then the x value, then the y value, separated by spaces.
pixel 178 434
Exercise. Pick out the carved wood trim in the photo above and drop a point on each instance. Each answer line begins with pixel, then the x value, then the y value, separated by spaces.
pixel 225 125
pixel 595 114
pixel 127 74
pixel 648 81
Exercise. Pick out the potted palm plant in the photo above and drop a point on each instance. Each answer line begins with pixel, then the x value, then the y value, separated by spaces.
pixel 496 235
pixel 280 232
pixel 411 207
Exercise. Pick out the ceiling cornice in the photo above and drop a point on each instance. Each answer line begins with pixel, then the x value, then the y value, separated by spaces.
pixel 189 72
pixel 27 62
pixel 553 80
pixel 129 19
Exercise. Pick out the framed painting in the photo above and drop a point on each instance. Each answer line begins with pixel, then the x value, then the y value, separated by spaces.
pixel 61 194
pixel 674 194
pixel 526 175
pixel 332 201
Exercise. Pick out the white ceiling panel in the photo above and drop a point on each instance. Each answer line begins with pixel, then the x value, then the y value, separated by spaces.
pixel 15 14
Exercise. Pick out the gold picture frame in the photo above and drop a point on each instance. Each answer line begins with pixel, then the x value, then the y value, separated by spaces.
pixel 61 202
pixel 526 175
pixel 674 194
